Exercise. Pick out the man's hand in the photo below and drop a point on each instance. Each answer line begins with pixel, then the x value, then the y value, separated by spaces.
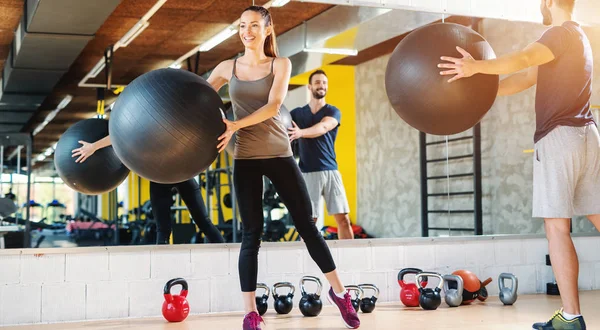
pixel 294 132
pixel 460 67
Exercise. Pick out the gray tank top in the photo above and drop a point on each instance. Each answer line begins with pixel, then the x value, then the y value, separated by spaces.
pixel 268 139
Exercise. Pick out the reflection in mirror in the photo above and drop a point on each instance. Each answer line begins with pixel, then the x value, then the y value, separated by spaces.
pixel 368 172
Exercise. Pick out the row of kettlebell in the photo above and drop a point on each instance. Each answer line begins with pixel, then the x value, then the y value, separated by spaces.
pixel 456 293
pixel 310 303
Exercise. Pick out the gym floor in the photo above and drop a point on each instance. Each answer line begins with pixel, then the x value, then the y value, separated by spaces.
pixel 490 315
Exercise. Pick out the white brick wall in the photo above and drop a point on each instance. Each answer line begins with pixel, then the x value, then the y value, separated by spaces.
pixel 48 268
pixel 129 265
pixel 167 264
pixel 87 267
pixel 65 286
pixel 99 293
pixel 10 262
pixel 63 302
pixel 21 304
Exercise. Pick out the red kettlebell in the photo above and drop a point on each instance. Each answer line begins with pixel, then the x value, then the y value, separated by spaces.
pixel 175 307
pixel 409 293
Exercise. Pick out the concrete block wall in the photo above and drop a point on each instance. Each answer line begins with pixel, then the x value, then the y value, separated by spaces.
pixel 58 285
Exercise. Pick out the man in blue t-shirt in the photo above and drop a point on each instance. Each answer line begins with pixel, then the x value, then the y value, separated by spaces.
pixel 566 171
pixel 315 127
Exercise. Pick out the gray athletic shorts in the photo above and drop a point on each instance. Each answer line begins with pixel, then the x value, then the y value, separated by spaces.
pixel 329 185
pixel 566 173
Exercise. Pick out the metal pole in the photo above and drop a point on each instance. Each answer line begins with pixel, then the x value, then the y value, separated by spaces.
pixel 27 238
pixel 423 163
pixel 1 169
pixel 477 182
pixel 139 192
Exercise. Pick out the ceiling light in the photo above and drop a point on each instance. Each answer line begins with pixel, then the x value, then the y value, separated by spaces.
pixel 279 3
pixel 218 38
pixel 336 51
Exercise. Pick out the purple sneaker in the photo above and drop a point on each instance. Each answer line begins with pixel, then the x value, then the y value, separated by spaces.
pixel 252 321
pixel 346 309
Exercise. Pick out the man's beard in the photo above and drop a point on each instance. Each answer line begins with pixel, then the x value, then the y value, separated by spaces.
pixel 318 96
pixel 547 16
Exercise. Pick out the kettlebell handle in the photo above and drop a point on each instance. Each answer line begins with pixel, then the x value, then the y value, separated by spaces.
pixel 407 271
pixel 359 291
pixel 504 276
pixel 427 274
pixel 283 285
pixel 460 284
pixel 264 287
pixel 370 286
pixel 172 283
pixel 311 279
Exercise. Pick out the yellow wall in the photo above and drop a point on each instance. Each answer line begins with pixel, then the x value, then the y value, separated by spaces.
pixel 341 95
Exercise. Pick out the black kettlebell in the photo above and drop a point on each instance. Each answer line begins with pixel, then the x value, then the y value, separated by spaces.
pixel 310 303
pixel 262 302
pixel 283 304
pixel 359 295
pixel 367 304
pixel 430 299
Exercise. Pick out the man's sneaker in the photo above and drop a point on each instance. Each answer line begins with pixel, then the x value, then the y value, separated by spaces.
pixel 558 322
pixel 252 321
pixel 346 309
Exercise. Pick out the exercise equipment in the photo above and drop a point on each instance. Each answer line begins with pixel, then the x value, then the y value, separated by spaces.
pixel 7 207
pixel 551 287
pixel 359 295
pixel 100 173
pixel 175 308
pixel 165 125
pixel 284 116
pixel 283 304
pixel 472 285
pixel 483 293
pixel 262 302
pixel 367 304
pixel 310 303
pixel 422 97
pixel 508 294
pixel 409 293
pixel 430 299
pixel 453 289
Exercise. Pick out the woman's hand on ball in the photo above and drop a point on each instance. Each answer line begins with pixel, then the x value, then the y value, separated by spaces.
pixel 84 152
pixel 225 137
pixel 460 67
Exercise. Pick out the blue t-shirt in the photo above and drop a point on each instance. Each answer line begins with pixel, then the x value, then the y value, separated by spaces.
pixel 317 154
pixel 564 85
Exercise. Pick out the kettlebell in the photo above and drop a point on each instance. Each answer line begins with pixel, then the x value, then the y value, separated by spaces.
pixel 310 303
pixel 508 295
pixel 359 295
pixel 367 305
pixel 283 304
pixel 453 288
pixel 483 293
pixel 430 299
pixel 262 302
pixel 409 293
pixel 175 308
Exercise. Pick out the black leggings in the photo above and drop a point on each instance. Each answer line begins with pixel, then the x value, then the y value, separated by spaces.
pixel 289 183
pixel 161 197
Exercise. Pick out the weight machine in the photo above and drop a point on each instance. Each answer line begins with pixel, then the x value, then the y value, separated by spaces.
pixel 17 141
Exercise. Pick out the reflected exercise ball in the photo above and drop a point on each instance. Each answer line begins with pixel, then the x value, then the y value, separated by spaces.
pixel 422 97
pixel 101 172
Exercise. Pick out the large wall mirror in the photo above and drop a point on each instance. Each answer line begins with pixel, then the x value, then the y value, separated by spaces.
pixel 397 181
